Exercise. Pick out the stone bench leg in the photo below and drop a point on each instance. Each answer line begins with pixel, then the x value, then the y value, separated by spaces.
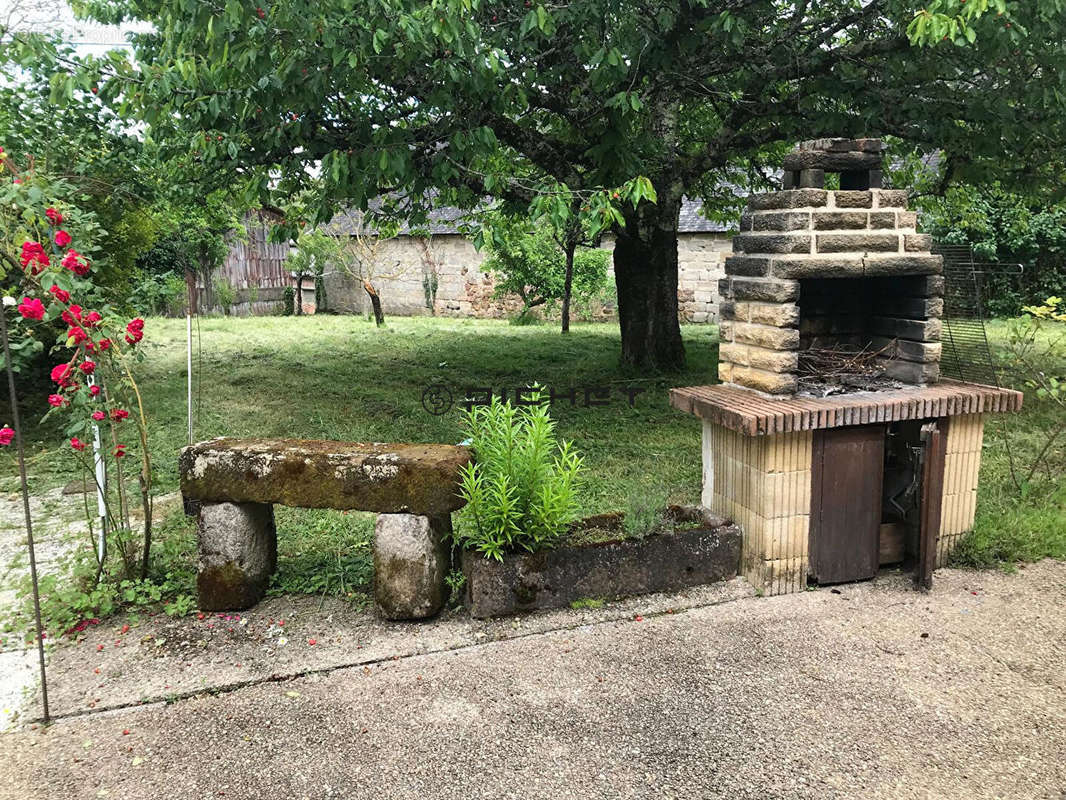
pixel 410 565
pixel 238 549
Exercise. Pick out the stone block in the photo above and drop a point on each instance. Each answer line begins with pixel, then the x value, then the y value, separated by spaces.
pixel 766 336
pixel 768 290
pixel 831 161
pixel 772 243
pixel 790 198
pixel 843 266
pixel 897 328
pixel 745 222
pixel 388 478
pixel 840 220
pixel 725 288
pixel 913 372
pixel 733 353
pixel 811 178
pixel 764 381
pixel 925 352
pixel 842 145
pixel 748 266
pixel 781 315
pixel 772 360
pixel 782 221
pixel 883 220
pixel 914 307
pixel 853 199
pixel 891 198
pixel 906 219
pixel 928 286
pixel 903 265
pixel 917 242
pixel 411 562
pixel 857 242
pixel 727 311
pixel 725 372
pixel 238 550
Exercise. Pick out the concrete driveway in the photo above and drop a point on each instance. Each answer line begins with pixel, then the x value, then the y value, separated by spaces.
pixel 872 690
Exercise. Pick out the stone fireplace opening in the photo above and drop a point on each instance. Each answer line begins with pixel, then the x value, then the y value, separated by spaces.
pixel 866 334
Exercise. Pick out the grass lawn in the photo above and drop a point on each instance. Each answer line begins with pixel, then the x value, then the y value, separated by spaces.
pixel 339 377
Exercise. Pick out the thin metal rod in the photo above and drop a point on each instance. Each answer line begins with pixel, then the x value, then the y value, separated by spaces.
pixel 100 470
pixel 21 452
pixel 188 369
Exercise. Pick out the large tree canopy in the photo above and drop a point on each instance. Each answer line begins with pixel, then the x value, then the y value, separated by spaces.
pixel 458 99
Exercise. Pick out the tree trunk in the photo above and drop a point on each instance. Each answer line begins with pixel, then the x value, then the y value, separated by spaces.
pixel 645 271
pixel 190 288
pixel 568 284
pixel 375 301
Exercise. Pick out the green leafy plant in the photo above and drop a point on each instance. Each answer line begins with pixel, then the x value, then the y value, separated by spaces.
pixel 225 293
pixel 1036 353
pixel 288 299
pixel 521 491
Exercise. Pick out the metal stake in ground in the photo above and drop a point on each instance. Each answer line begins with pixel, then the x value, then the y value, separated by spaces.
pixel 21 453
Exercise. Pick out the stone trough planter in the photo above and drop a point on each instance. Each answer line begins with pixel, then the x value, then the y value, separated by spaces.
pixel 607 570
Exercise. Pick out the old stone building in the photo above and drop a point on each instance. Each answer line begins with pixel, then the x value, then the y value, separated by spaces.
pixel 439 272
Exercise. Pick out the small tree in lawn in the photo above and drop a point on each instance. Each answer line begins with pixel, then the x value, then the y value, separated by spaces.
pixel 542 265
pixel 361 256
pixel 314 251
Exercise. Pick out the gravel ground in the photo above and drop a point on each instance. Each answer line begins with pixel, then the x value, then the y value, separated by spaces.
pixel 872 690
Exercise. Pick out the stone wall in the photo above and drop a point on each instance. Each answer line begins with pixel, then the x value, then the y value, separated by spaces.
pixel 406 265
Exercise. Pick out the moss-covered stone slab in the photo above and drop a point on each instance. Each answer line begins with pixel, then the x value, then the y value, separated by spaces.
pixel 604 570
pixel 308 473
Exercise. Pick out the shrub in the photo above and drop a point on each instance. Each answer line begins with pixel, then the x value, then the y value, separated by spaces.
pixel 521 490
pixel 162 294
pixel 226 294
pixel 288 298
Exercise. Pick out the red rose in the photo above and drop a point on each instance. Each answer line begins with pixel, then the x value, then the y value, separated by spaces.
pixel 62 238
pixel 99 416
pixel 92 318
pixel 61 374
pixel 31 309
pixel 77 443
pixel 77 334
pixel 104 344
pixel 54 216
pixel 33 253
pixel 94 390
pixel 120 451
pixel 59 294
pixel 72 316
pixel 135 331
pixel 87 367
pixel 56 400
pixel 6 435
pixel 119 413
pixel 75 263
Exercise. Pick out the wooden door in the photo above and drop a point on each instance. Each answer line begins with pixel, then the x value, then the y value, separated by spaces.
pixel 847 476
pixel 934 441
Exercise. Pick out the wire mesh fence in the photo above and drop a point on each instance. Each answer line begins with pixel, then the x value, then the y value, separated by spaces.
pixel 966 354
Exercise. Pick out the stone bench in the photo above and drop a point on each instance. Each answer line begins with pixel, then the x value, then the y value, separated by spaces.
pixel 234 484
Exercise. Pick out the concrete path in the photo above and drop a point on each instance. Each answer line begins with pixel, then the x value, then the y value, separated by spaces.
pixel 871 690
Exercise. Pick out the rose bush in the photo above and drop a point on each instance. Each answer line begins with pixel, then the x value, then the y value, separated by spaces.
pixel 61 309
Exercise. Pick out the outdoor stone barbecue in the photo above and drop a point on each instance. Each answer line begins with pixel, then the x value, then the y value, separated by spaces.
pixel 832 440
pixel 234 483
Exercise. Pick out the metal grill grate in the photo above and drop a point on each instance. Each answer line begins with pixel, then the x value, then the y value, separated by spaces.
pixel 966 355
